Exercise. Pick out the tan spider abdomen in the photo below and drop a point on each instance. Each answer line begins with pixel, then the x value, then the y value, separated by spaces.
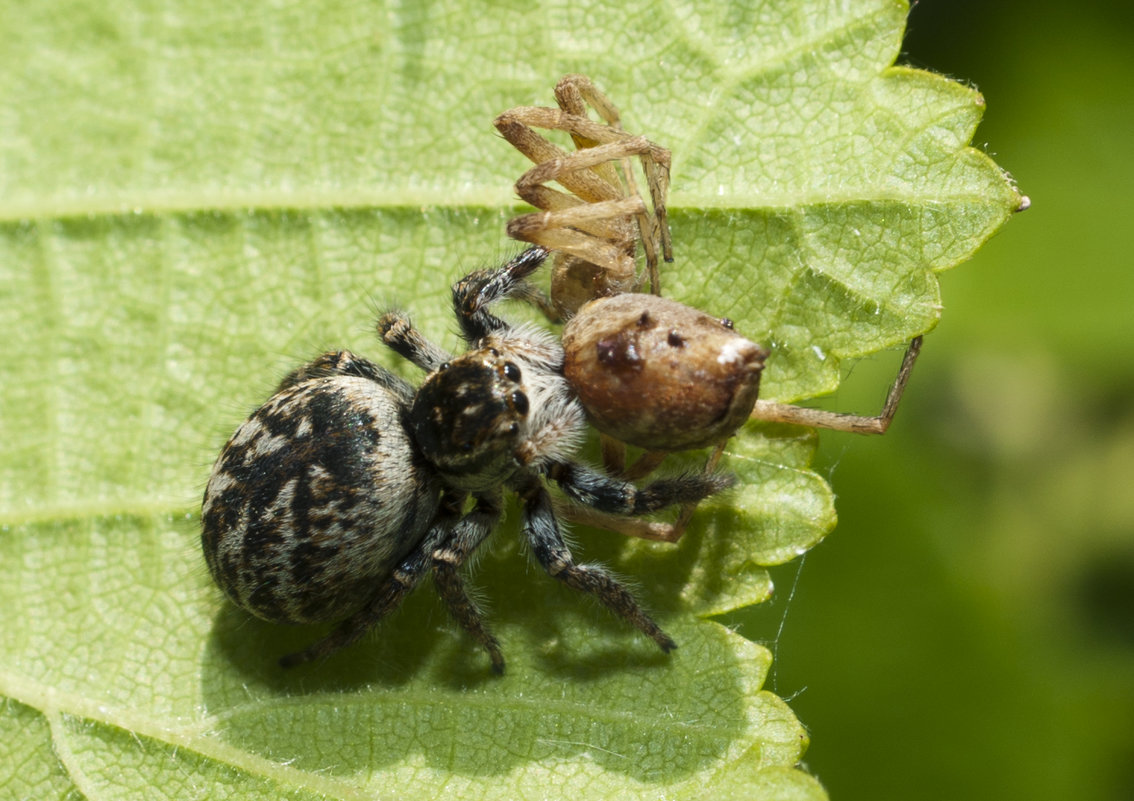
pixel 658 374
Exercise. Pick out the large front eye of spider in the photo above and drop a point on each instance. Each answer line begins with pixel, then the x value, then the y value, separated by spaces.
pixel 470 413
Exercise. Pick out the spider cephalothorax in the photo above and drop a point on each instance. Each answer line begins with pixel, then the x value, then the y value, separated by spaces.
pixel 469 416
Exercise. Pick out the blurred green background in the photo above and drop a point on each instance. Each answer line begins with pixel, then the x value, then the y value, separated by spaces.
pixel 967 632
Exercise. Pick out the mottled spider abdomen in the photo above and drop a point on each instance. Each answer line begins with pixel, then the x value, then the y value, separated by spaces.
pixel 658 374
pixel 315 499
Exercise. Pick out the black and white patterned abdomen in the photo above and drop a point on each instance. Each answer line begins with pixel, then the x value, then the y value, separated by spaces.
pixel 314 500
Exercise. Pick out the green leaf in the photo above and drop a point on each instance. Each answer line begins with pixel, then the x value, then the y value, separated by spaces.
pixel 199 195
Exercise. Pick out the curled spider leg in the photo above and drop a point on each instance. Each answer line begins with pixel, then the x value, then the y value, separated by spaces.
pixel 585 232
pixel 597 254
pixel 574 93
pixel 769 411
pixel 517 126
pixel 607 209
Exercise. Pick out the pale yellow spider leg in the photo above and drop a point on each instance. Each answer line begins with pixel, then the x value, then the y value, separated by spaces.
pixel 769 411
pixel 516 126
pixel 627 526
pixel 579 231
pixel 574 92
pixel 558 169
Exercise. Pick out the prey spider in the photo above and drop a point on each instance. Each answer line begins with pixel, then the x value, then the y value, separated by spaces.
pixel 334 498
pixel 651 373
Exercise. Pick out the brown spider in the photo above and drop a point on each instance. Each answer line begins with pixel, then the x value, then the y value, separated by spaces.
pixel 633 367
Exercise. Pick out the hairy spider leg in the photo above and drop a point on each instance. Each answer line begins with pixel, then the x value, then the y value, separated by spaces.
pixel 447 559
pixel 473 294
pixel 397 332
pixel 546 541
pixel 613 504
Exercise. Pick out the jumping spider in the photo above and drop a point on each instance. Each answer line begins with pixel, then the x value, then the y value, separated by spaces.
pixel 337 495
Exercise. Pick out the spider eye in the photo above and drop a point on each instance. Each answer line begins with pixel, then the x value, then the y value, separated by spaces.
pixel 512 372
pixel 444 366
pixel 520 402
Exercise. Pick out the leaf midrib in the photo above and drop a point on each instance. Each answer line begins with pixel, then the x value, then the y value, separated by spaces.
pixel 91 209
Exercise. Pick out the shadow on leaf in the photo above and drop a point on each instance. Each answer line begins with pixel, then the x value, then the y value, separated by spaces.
pixel 579 683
